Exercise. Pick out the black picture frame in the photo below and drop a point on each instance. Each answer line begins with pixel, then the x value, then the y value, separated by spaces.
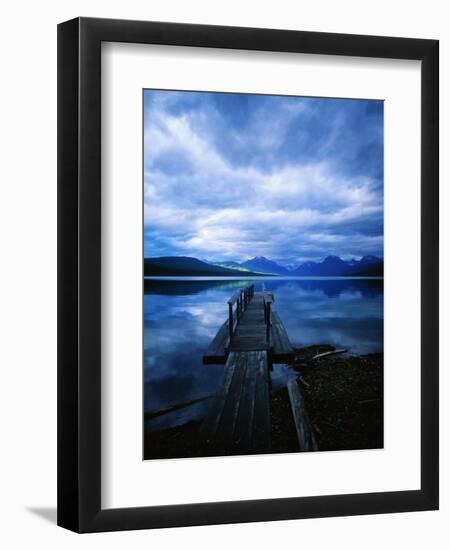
pixel 79 274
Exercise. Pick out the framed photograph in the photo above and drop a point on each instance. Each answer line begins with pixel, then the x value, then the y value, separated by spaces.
pixel 247 276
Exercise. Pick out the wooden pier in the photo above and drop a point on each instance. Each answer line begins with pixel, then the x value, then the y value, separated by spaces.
pixel 249 342
pixel 252 325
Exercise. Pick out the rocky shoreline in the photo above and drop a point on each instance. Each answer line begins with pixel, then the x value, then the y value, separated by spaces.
pixel 343 395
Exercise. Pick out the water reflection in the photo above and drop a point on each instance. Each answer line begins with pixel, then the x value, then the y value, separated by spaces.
pixel 182 316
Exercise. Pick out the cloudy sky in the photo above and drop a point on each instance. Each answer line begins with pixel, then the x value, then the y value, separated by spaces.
pixel 233 176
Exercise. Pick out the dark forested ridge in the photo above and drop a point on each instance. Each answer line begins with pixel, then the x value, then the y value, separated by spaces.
pixel 171 266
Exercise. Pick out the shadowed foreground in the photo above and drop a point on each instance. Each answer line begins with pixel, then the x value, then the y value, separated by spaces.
pixel 343 397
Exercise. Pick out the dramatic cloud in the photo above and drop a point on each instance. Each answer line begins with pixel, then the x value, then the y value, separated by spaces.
pixel 232 176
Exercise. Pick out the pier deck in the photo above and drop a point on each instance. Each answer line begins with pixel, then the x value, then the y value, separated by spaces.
pixel 250 333
pixel 239 417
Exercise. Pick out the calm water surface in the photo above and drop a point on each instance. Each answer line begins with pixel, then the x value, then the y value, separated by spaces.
pixel 182 316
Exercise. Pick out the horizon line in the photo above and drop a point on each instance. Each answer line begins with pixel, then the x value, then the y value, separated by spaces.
pixel 301 262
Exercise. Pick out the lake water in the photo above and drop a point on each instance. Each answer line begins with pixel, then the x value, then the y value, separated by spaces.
pixel 181 316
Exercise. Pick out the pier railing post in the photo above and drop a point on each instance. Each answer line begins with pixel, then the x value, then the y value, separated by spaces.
pixel 267 321
pixel 230 320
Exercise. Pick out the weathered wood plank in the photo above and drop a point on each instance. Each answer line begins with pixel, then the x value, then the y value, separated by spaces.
pixel 214 416
pixel 225 430
pixel 243 432
pixel 305 435
pixel 217 349
pixel 239 418
pixel 282 349
pixel 261 438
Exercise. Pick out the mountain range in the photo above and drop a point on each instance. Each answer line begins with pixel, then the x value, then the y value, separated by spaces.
pixel 331 266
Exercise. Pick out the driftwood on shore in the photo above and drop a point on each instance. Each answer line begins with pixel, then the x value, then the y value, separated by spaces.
pixel 326 353
pixel 305 434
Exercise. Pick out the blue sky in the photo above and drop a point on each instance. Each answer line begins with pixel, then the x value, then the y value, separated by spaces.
pixel 233 176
